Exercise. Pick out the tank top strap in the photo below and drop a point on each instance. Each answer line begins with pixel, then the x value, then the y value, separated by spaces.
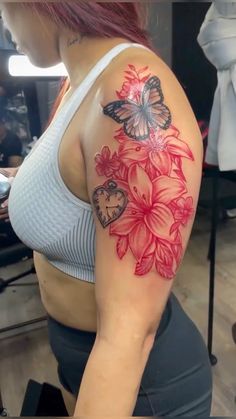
pixel 83 89
pixel 68 110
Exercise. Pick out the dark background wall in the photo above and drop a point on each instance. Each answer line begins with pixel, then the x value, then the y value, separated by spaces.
pixel 160 26
pixel 196 74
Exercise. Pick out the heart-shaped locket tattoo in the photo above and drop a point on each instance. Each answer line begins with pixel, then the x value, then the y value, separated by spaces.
pixel 109 203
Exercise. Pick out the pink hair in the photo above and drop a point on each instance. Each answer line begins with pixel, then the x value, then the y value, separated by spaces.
pixel 108 20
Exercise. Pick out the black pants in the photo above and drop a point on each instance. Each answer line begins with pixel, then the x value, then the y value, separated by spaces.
pixel 177 380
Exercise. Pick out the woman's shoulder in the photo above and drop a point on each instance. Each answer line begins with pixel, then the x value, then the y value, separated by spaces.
pixel 140 76
pixel 136 63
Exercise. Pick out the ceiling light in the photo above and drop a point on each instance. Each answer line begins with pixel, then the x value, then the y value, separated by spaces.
pixel 20 66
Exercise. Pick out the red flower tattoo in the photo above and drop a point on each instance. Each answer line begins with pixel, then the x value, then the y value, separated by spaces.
pixel 144 200
pixel 133 85
pixel 183 210
pixel 105 164
pixel 160 152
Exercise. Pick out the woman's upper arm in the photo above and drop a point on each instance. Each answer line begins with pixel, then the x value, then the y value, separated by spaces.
pixel 143 160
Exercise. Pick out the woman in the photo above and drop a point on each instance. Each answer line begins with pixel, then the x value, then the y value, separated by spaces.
pixel 120 162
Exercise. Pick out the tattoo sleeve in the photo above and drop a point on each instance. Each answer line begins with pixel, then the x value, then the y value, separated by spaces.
pixel 144 201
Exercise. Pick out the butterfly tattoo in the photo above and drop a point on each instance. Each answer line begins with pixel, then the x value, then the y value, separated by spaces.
pixel 138 118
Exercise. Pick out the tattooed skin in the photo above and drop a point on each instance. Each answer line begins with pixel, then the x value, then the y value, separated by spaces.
pixel 144 199
pixel 75 40
pixel 109 203
pixel 143 112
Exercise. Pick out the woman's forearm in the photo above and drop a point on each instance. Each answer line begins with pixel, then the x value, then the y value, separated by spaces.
pixel 111 380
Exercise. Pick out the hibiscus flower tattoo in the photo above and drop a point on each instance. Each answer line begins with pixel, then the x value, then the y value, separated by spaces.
pixel 144 200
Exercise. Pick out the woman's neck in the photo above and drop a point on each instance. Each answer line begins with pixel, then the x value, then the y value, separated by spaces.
pixel 80 54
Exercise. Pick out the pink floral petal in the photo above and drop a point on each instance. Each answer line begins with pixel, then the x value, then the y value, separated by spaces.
pixel 132 67
pixel 178 252
pixel 122 172
pixel 108 172
pixel 121 136
pixel 98 159
pixel 179 174
pixel 145 265
pixel 174 227
pixel 151 249
pixel 166 189
pixel 122 246
pixel 151 170
pixel 132 151
pixel 189 203
pixel 140 239
pixel 173 131
pixel 121 184
pixel 178 238
pixel 164 271
pixel 106 153
pixel 100 170
pixel 179 215
pixel 134 210
pixel 123 226
pixel 140 185
pixel 159 221
pixel 164 253
pixel 114 164
pixel 161 160
pixel 178 147
pixel 180 203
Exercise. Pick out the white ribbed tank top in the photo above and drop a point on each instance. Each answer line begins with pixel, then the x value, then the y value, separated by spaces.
pixel 44 214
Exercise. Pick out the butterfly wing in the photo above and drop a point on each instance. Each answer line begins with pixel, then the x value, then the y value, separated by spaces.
pixel 152 92
pixel 132 116
pixel 137 126
pixel 120 110
pixel 158 114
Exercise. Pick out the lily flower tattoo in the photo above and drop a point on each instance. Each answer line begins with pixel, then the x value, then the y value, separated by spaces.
pixel 144 201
